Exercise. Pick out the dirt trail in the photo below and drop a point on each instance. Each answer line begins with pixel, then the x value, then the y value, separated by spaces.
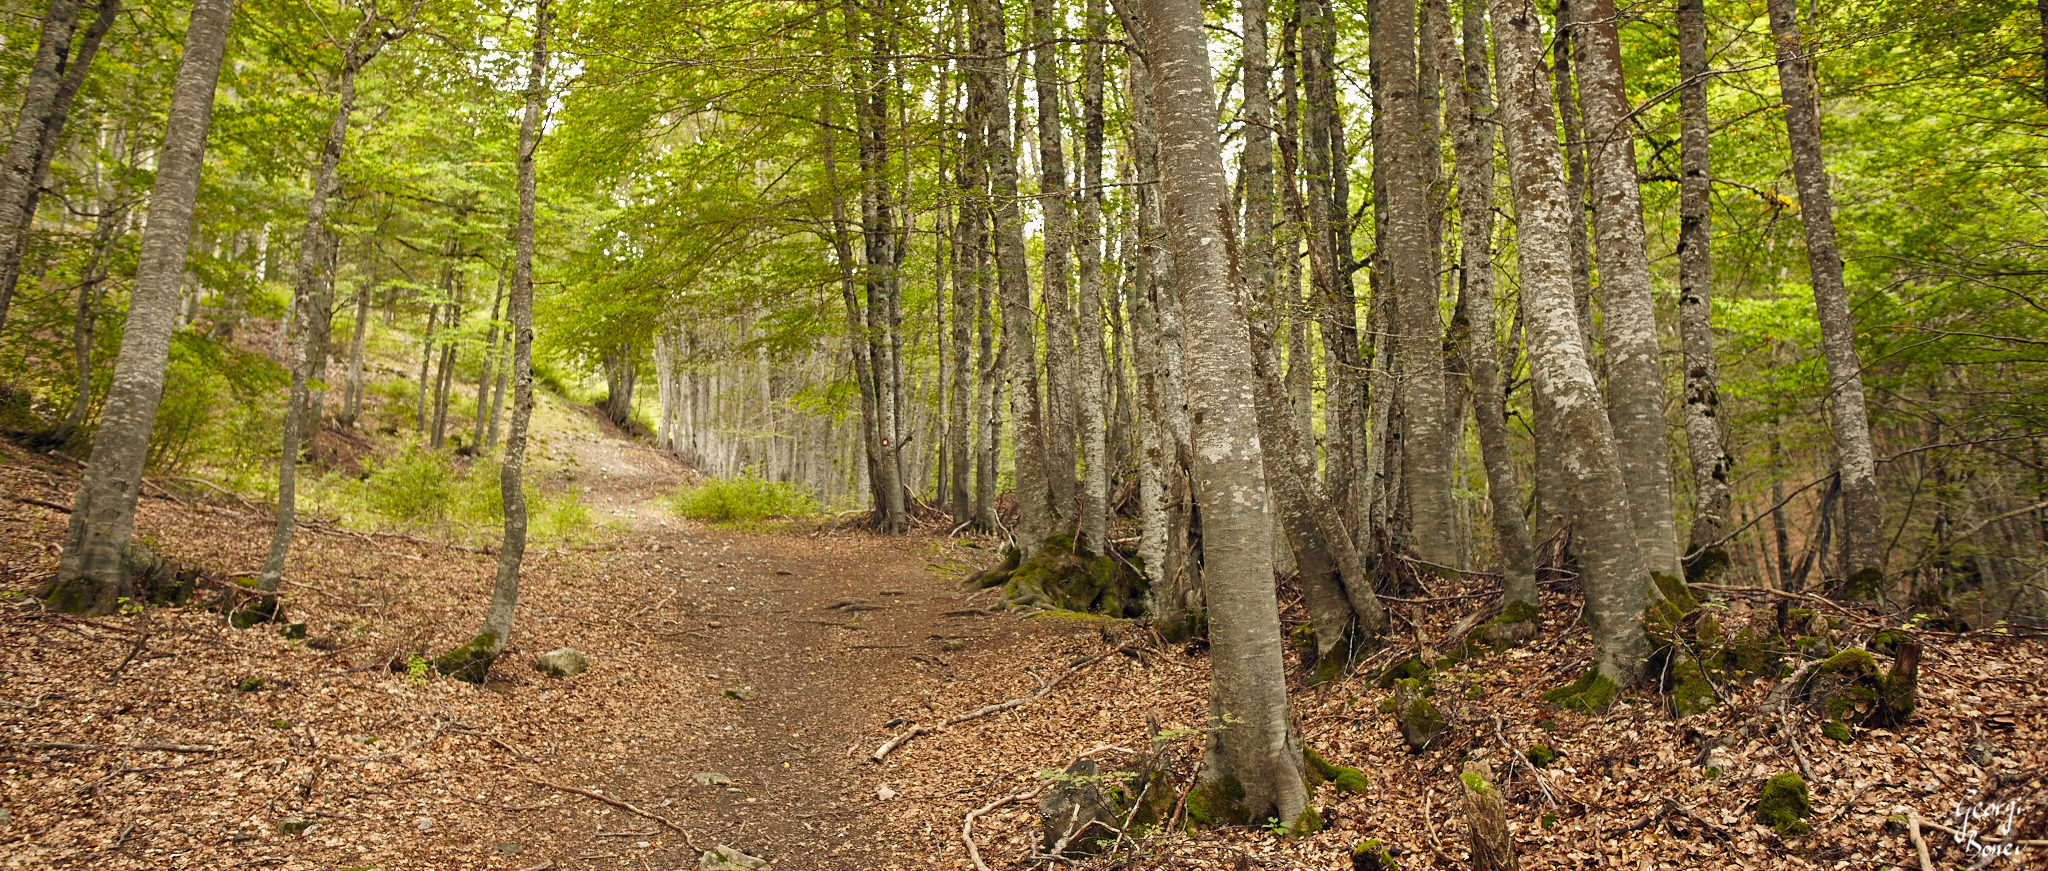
pixel 717 656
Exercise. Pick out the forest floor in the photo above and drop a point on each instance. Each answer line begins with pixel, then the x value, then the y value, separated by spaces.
pixel 730 702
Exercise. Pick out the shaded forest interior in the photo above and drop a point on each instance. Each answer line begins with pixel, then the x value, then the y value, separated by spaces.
pixel 1675 361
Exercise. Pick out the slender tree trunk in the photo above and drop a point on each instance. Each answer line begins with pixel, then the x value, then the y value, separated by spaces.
pixel 621 377
pixel 1093 374
pixel 108 228
pixel 967 265
pixel 1300 366
pixel 1061 399
pixel 1611 568
pixel 352 393
pixel 1035 511
pixel 18 182
pixel 1344 394
pixel 1470 106
pixel 1248 693
pixel 1426 447
pixel 1571 124
pixel 444 369
pixel 312 294
pixel 1854 457
pixel 473 661
pixel 1710 462
pixel 419 424
pixel 484 411
pixel 1635 376
pixel 91 575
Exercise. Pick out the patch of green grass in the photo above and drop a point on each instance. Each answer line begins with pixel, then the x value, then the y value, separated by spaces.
pixel 418 489
pixel 745 498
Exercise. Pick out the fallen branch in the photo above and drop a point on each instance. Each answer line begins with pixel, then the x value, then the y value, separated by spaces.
pixel 967 825
pixel 64 509
pixel 624 806
pixel 1919 843
pixel 890 746
pixel 1791 729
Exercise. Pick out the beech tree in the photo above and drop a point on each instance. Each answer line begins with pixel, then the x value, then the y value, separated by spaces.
pixel 92 574
pixel 1252 734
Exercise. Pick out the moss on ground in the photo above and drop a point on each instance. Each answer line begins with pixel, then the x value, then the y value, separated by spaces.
pixel 1691 690
pixel 1592 693
pixel 1539 755
pixel 1373 856
pixel 1781 804
pixel 1419 721
pixel 1320 771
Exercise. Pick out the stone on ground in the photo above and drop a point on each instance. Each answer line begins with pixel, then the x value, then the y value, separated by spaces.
pixel 562 662
pixel 724 858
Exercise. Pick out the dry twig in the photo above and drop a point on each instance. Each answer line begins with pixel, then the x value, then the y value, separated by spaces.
pixel 624 806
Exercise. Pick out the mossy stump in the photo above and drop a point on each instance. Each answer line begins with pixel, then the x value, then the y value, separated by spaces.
pixel 1217 803
pixel 1690 689
pixel 1419 721
pixel 1781 804
pixel 1516 625
pixel 1847 687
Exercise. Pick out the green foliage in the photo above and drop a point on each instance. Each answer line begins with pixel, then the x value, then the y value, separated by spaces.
pixel 412 488
pixel 1539 755
pixel 219 408
pixel 744 498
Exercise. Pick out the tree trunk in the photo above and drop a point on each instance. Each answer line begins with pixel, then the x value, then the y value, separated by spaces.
pixel 1035 511
pixel 1344 408
pixel 108 228
pixel 621 377
pixel 1635 376
pixel 484 411
pixel 1094 522
pixel 967 267
pixel 1710 462
pixel 1571 124
pixel 1854 457
pixel 1470 106
pixel 352 391
pixel 1604 535
pixel 1248 695
pixel 1061 400
pixel 451 322
pixel 18 182
pixel 473 660
pixel 91 575
pixel 1426 446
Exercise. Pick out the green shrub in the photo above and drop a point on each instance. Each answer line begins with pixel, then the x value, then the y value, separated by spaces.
pixel 744 498
pixel 414 488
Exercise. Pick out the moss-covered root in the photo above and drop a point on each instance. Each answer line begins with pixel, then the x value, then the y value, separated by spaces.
pixel 1845 687
pixel 1319 771
pixel 1781 804
pixel 1373 856
pixel 1216 803
pixel 1592 693
pixel 472 661
pixel 85 597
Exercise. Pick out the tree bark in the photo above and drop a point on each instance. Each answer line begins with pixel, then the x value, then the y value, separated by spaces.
pixel 1344 393
pixel 880 275
pixel 1249 691
pixel 967 268
pixel 1603 530
pixel 1035 511
pixel 1061 405
pixel 1850 419
pixel 1710 462
pixel 18 181
pixel 1093 368
pixel 490 641
pixel 1426 446
pixel 1469 103
pixel 484 411
pixel 91 576
pixel 1635 376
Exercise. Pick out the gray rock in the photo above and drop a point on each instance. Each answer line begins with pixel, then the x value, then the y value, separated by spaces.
pixel 562 662
pixel 710 778
pixel 724 858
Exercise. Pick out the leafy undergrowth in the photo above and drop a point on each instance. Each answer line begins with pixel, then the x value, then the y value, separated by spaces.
pixel 744 498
